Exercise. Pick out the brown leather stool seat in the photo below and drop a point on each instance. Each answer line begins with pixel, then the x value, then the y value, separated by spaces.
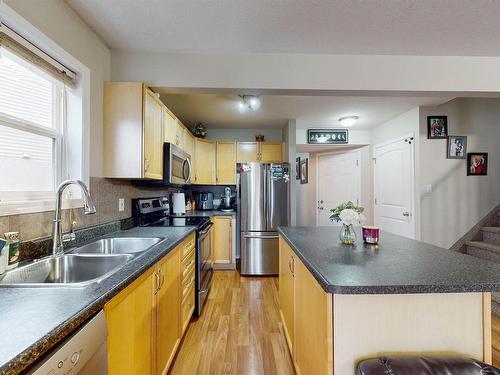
pixel 416 365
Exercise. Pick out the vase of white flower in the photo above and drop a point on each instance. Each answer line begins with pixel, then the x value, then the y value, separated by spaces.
pixel 348 214
pixel 347 235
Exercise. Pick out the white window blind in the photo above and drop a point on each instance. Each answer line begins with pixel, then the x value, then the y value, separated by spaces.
pixel 30 130
pixel 24 93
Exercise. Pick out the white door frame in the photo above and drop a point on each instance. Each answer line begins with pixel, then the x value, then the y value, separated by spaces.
pixel 412 178
pixel 333 153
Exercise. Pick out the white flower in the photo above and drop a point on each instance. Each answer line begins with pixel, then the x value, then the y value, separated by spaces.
pixel 349 216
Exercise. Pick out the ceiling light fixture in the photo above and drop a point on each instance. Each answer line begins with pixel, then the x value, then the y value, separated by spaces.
pixel 348 121
pixel 250 102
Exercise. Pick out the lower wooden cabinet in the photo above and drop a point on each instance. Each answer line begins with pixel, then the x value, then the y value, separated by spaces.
pixel 147 320
pixel 130 328
pixel 167 333
pixel 286 290
pixel 306 311
pixel 223 242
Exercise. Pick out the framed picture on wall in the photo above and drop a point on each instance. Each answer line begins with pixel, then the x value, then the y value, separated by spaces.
pixel 437 127
pixel 327 136
pixel 297 168
pixel 477 164
pixel 456 147
pixel 304 171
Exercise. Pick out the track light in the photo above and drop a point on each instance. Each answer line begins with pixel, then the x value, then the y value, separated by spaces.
pixel 249 102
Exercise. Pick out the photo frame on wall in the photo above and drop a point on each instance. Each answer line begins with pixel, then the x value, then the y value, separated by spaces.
pixel 456 147
pixel 327 136
pixel 437 127
pixel 477 164
pixel 297 168
pixel 304 171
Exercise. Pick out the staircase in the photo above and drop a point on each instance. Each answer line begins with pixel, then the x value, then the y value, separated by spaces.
pixel 486 245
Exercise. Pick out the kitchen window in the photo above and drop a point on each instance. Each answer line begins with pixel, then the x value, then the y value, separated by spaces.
pixel 35 145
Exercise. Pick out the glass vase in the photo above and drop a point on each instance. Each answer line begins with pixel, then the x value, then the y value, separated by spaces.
pixel 347 235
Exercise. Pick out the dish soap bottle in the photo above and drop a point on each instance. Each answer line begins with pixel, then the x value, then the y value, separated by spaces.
pixel 12 252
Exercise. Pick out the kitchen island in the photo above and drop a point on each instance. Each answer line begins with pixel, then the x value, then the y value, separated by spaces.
pixel 341 304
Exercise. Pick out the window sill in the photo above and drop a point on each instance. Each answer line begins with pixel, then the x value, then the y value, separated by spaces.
pixel 34 206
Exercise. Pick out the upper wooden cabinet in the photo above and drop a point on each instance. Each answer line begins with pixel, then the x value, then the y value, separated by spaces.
pixel 133 131
pixel 247 152
pixel 259 152
pixel 226 163
pixel 271 152
pixel 169 126
pixel 205 165
pixel 189 144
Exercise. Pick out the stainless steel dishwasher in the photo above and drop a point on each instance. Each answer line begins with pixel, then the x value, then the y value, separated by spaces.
pixel 83 353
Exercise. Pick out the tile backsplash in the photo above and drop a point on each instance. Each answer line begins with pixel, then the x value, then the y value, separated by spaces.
pixel 105 193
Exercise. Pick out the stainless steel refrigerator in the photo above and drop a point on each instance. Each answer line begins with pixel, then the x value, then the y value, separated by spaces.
pixel 263 206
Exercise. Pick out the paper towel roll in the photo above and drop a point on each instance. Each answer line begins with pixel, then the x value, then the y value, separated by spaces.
pixel 178 203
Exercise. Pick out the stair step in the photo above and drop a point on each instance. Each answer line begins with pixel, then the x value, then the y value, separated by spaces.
pixel 491 229
pixel 491 235
pixel 484 250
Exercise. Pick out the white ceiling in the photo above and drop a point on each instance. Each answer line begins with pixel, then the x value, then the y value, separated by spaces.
pixel 399 27
pixel 221 111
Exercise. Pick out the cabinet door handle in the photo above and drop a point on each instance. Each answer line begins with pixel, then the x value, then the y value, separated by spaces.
pixel 146 164
pixel 157 282
pixel 291 266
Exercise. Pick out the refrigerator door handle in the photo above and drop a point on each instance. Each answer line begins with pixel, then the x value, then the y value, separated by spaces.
pixel 272 237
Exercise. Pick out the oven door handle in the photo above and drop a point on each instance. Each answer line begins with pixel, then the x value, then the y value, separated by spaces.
pixel 206 230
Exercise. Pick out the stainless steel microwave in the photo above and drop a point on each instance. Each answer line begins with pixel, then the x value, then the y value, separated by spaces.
pixel 177 165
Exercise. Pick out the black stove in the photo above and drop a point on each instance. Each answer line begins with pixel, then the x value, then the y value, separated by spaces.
pixel 155 212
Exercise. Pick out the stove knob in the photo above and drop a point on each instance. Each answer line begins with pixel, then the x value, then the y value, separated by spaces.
pixel 74 358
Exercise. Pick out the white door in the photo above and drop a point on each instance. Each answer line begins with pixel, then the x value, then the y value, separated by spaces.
pixel 339 180
pixel 393 186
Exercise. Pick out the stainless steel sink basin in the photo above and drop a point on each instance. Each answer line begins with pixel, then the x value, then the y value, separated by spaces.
pixel 65 270
pixel 117 245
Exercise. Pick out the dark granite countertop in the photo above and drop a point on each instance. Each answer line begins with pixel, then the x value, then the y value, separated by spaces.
pixel 208 213
pixel 397 265
pixel 36 319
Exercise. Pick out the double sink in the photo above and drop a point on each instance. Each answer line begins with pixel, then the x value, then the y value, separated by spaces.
pixel 81 266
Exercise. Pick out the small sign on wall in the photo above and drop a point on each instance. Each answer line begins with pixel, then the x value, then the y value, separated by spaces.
pixel 327 136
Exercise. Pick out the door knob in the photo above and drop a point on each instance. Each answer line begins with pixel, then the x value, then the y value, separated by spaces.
pixel 406 214
pixel 321 201
pixel 321 208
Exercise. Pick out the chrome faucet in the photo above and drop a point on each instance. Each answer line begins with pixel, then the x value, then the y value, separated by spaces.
pixel 88 207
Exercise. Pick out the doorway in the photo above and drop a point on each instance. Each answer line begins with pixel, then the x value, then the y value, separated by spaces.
pixel 338 180
pixel 393 186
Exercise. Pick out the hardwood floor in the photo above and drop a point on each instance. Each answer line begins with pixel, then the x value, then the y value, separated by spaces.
pixel 495 340
pixel 238 332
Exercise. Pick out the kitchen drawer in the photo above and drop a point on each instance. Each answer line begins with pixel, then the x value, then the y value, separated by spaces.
pixel 187 308
pixel 188 276
pixel 187 284
pixel 188 261
pixel 187 247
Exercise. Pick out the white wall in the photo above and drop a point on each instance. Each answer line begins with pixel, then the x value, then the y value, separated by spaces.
pixel 309 72
pixel 306 194
pixel 458 201
pixel 400 126
pixel 275 135
pixel 57 21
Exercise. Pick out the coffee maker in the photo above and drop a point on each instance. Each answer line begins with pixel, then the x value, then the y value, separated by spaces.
pixel 204 201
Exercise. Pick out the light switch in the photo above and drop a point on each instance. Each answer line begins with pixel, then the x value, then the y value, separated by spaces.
pixel 428 188
pixel 121 204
